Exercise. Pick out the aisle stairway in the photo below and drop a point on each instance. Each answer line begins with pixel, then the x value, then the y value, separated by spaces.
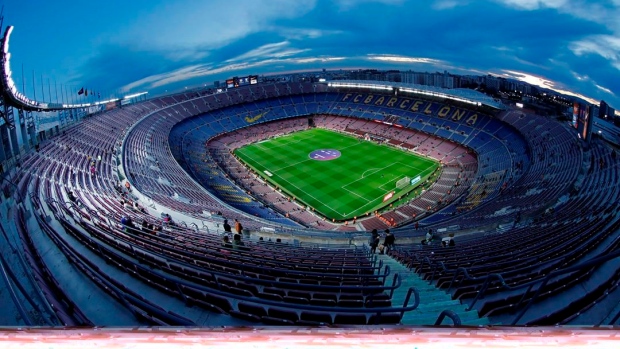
pixel 432 300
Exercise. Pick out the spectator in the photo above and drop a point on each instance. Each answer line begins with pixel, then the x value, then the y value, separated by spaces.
pixel 227 228
pixel 127 223
pixel 447 241
pixel 374 241
pixel 238 244
pixel 389 240
pixel 128 186
pixel 73 198
pixel 139 208
pixel 429 236
pixel 226 242
pixel 238 227
pixel 166 218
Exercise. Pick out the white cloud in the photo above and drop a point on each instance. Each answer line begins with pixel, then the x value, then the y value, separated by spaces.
pixel 348 4
pixel 304 33
pixel 403 59
pixel 318 59
pixel 196 26
pixel 604 89
pixel 606 46
pixel 606 13
pixel 535 4
pixel 275 50
pixel 579 76
pixel 544 83
pixel 202 70
pixel 448 4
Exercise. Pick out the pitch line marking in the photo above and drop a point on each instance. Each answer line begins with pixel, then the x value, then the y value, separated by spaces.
pixel 373 200
pixel 370 169
pixel 303 191
pixel 383 168
pixel 308 159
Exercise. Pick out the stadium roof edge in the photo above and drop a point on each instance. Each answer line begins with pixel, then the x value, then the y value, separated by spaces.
pixel 458 94
pixel 19 100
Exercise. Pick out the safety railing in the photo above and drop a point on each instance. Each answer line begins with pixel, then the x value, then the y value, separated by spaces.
pixel 456 320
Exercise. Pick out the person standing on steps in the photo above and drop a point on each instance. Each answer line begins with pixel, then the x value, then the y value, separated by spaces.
pixel 389 240
pixel 238 227
pixel 227 228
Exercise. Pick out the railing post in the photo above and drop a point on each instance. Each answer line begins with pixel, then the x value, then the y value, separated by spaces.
pixel 456 320
pixel 458 271
pixel 416 295
pixel 386 273
pixel 527 306
pixel 396 277
pixel 484 287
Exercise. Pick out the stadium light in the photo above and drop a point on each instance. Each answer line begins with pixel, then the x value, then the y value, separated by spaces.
pixel 9 30
pixel 440 95
pixel 135 95
pixel 360 85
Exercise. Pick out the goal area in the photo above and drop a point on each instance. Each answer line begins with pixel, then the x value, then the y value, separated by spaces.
pixel 403 182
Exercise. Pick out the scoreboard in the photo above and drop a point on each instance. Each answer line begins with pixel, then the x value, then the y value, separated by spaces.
pixel 242 81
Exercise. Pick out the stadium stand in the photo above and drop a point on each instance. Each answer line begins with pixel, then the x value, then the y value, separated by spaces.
pixel 132 202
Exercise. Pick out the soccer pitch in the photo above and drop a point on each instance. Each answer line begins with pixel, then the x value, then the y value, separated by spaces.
pixel 336 174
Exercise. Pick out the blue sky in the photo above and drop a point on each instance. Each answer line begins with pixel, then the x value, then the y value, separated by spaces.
pixel 154 45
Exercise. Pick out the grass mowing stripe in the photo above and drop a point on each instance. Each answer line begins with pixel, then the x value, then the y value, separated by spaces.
pixel 351 185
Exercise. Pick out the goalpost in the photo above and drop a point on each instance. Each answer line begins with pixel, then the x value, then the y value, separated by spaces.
pixel 403 182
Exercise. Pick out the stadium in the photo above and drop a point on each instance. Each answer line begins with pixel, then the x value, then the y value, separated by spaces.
pixel 121 217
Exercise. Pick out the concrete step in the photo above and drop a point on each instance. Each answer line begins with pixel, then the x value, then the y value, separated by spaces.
pixel 432 300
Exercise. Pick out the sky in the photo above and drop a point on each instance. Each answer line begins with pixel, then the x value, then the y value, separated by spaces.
pixel 121 47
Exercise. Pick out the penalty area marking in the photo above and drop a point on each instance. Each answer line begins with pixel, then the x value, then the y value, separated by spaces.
pixel 371 169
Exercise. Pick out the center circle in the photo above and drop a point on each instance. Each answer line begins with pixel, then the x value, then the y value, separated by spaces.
pixel 324 154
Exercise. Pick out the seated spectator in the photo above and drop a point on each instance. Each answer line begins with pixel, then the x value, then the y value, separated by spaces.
pixel 127 223
pixel 73 198
pixel 226 242
pixel 238 244
pixel 429 236
pixel 448 241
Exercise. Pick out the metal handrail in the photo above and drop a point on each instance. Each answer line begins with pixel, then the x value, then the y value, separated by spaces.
pixel 456 320
pixel 488 279
pixel 18 304
pixel 589 263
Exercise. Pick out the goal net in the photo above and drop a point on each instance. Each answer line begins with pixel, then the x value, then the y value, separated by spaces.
pixel 403 182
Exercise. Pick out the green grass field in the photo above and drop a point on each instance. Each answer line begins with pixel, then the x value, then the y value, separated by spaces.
pixel 351 185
